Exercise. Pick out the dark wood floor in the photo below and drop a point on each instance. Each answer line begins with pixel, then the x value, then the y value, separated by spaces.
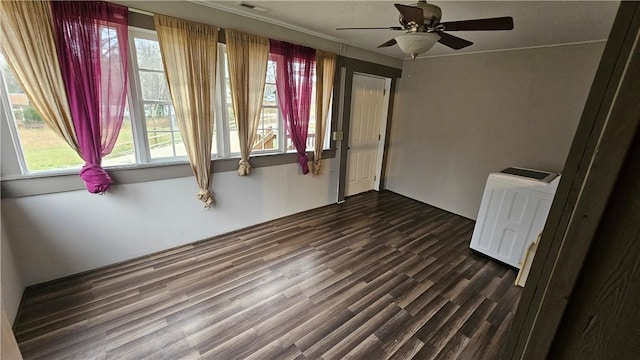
pixel 378 277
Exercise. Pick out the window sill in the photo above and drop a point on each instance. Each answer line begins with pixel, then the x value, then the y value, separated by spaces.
pixel 68 180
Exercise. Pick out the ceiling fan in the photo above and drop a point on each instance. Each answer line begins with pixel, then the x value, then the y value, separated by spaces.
pixel 423 28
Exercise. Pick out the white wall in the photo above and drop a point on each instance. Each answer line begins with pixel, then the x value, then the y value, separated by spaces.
pixel 11 280
pixel 61 234
pixel 459 118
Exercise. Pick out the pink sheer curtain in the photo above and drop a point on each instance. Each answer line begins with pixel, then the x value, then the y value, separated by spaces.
pixel 91 38
pixel 295 67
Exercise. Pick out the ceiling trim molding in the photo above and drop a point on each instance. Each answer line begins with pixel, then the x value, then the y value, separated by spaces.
pixel 510 49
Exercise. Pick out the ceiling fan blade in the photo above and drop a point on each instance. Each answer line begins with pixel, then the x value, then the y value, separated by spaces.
pixel 372 28
pixel 453 42
pixel 499 23
pixel 388 43
pixel 411 13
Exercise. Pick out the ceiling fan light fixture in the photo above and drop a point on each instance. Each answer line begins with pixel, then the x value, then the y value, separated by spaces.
pixel 416 43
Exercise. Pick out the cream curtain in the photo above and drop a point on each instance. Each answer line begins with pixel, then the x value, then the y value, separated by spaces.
pixel 248 55
pixel 28 44
pixel 189 53
pixel 325 71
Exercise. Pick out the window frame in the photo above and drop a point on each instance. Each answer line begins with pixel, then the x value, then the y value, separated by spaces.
pixel 9 118
pixel 140 142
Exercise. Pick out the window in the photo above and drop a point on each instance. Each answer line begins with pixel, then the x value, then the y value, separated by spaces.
pixel 271 129
pixel 150 132
pixel 268 137
pixel 311 135
pixel 39 148
pixel 270 122
pixel 123 152
pixel 162 138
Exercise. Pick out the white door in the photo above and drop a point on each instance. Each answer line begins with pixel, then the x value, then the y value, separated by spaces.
pixel 369 104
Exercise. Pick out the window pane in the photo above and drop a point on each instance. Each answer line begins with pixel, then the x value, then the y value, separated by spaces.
pixel 311 134
pixel 154 86
pixel 268 130
pixel 179 148
pixel 41 147
pixel 234 143
pixel 268 135
pixel 231 115
pixel 123 152
pixel 269 118
pixel 229 98
pixel 148 54
pixel 162 131
pixel 271 72
pixel 270 95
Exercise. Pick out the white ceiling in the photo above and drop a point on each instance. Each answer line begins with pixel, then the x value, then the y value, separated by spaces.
pixel 537 23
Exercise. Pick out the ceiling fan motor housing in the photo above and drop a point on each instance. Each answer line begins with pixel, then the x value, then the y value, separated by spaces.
pixel 432 13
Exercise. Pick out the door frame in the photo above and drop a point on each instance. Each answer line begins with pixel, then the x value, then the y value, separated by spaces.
pixel 383 132
pixel 342 91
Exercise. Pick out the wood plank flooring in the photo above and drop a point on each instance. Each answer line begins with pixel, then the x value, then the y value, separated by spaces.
pixel 380 276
